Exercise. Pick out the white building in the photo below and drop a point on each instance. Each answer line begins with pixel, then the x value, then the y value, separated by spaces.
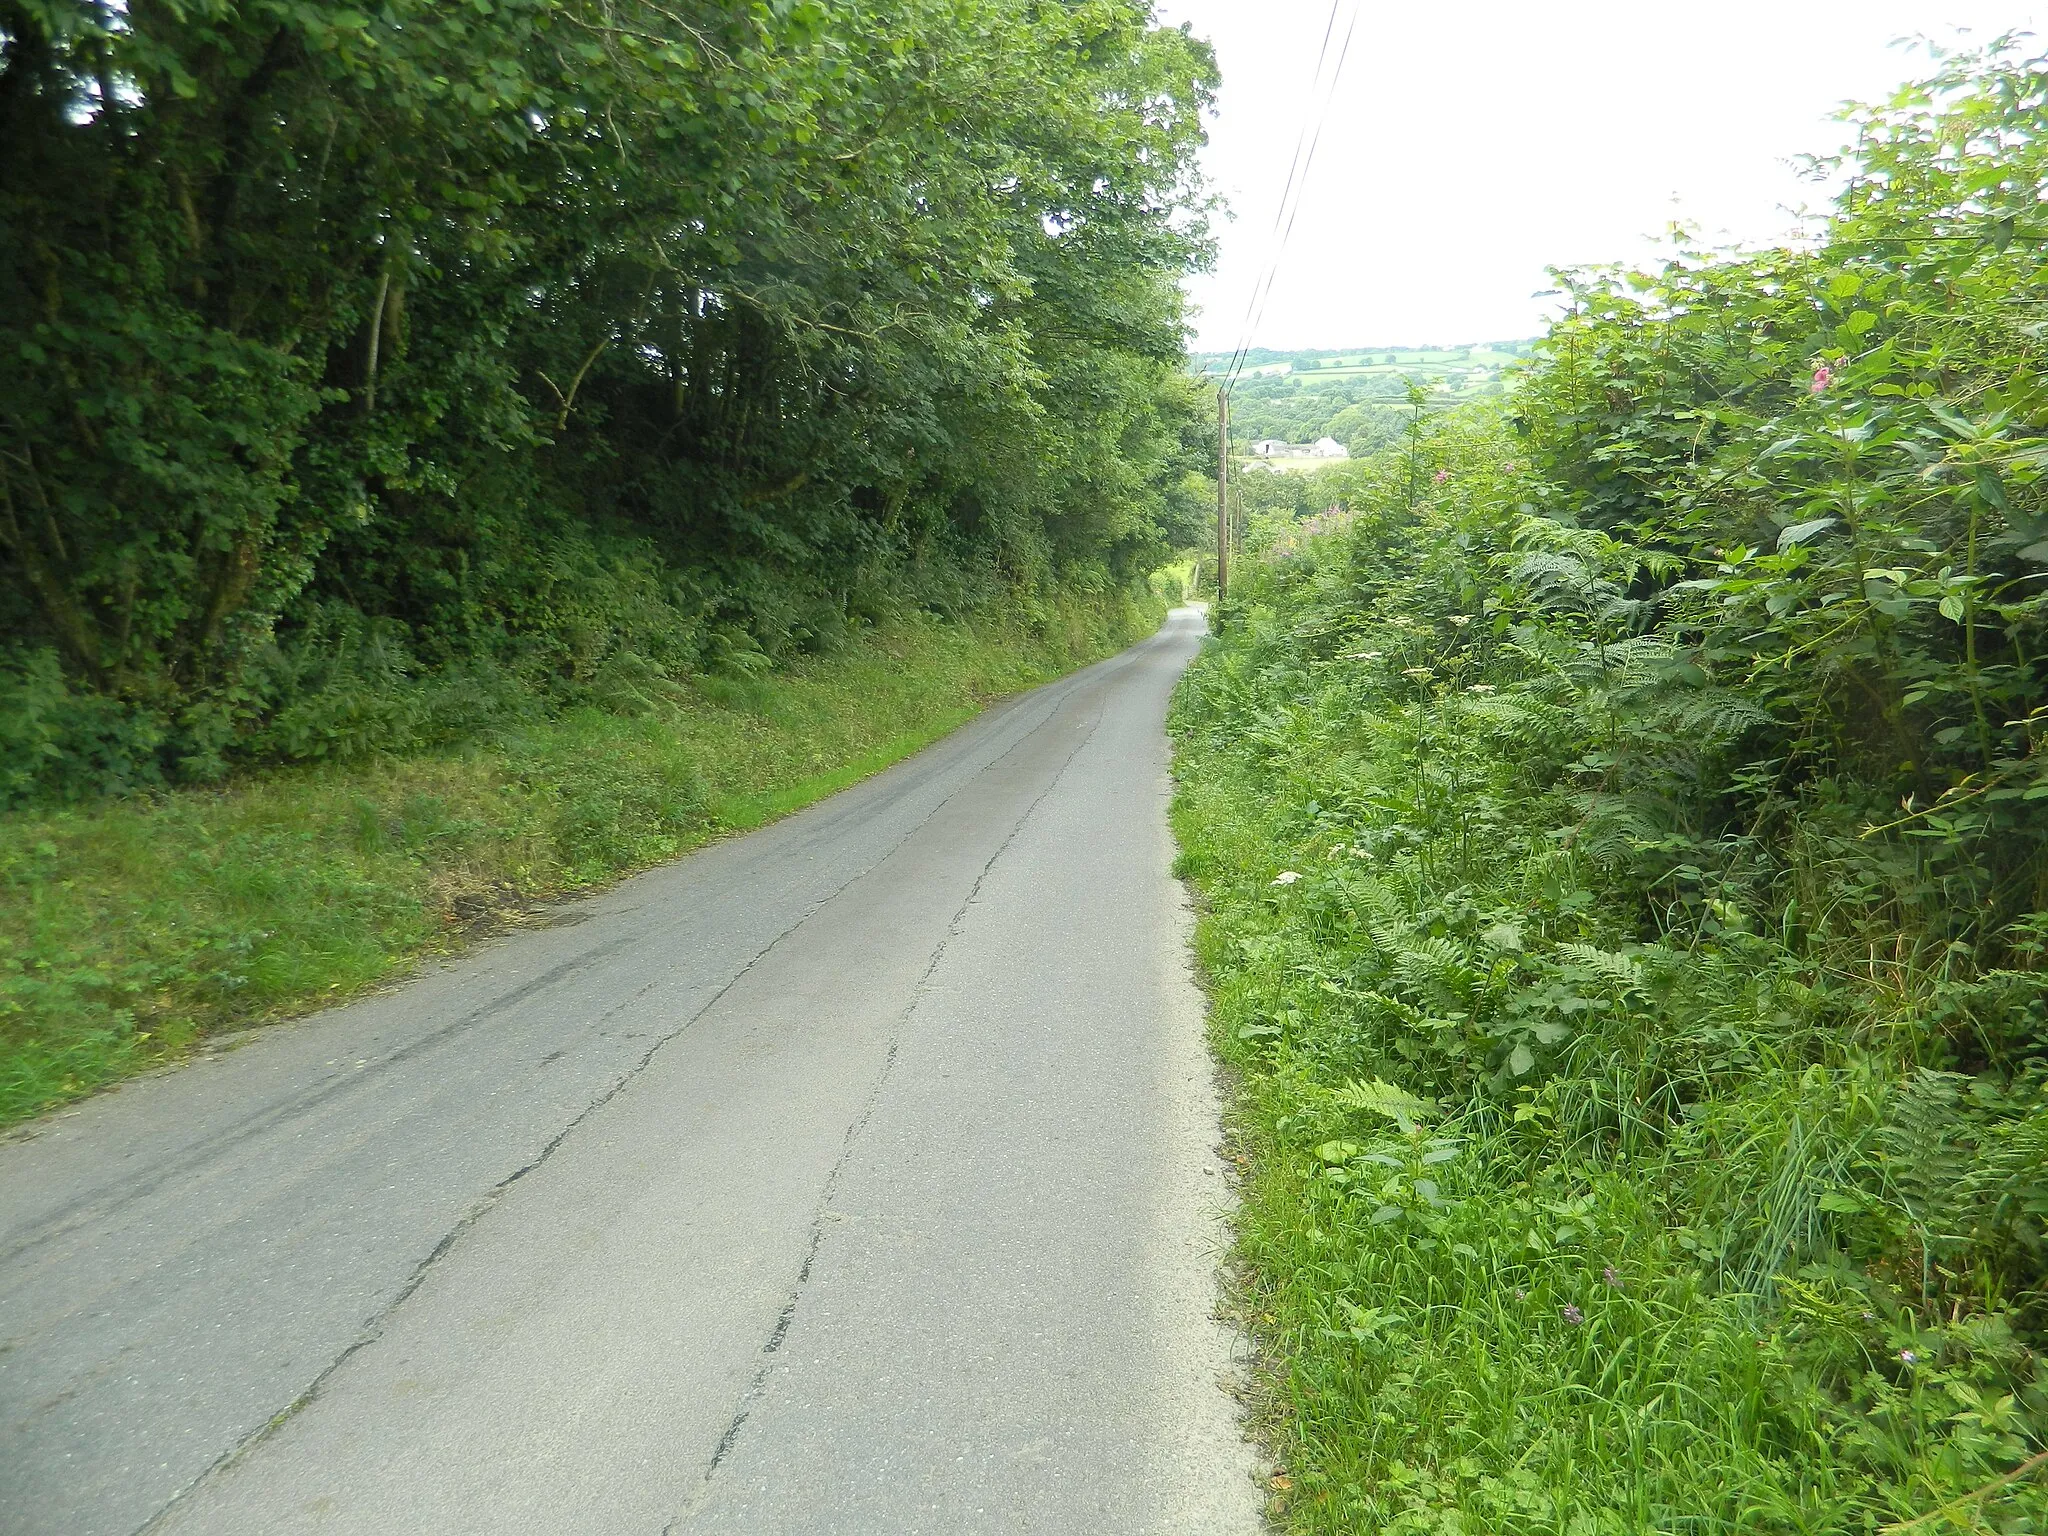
pixel 1269 448
pixel 1328 448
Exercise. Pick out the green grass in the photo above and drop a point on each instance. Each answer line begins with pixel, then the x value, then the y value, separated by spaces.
pixel 131 930
pixel 1551 1226
pixel 744 812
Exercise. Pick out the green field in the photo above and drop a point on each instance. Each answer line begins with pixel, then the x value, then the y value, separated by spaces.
pixel 1359 395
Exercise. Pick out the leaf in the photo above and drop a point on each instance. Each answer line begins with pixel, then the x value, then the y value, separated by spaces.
pixel 1799 533
pixel 1383 1098
pixel 1520 1060
pixel 1952 608
pixel 1505 937
pixel 1387 1213
pixel 1960 425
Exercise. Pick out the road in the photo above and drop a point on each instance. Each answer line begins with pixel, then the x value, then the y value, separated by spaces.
pixel 854 1176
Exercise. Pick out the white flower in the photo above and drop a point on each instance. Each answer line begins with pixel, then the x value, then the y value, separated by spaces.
pixel 1480 688
pixel 1286 877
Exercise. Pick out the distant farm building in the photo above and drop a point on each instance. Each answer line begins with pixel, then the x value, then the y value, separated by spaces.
pixel 1273 453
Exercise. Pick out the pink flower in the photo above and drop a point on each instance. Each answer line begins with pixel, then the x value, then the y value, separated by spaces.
pixel 1823 376
pixel 1441 476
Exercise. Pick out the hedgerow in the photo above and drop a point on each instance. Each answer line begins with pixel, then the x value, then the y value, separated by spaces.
pixel 1623 846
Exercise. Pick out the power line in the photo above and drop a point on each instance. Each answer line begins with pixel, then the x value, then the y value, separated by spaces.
pixel 1323 95
pixel 1280 210
pixel 1322 118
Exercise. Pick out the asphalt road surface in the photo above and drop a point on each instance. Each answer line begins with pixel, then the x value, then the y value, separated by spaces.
pixel 855 1176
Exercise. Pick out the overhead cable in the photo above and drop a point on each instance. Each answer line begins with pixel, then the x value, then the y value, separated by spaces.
pixel 1323 92
pixel 1280 209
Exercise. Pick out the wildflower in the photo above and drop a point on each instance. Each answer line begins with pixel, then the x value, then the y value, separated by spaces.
pixel 1612 1276
pixel 1909 1357
pixel 1823 376
pixel 1286 877
pixel 1520 1294
pixel 1480 688
pixel 1441 476
pixel 1571 1314
pixel 1461 619
pixel 1422 672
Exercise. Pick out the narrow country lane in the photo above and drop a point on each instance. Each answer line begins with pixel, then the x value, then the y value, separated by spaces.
pixel 855 1176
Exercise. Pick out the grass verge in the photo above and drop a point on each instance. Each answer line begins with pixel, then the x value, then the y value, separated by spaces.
pixel 1555 1227
pixel 131 930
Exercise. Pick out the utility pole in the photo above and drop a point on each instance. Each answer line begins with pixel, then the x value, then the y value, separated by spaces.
pixel 1222 494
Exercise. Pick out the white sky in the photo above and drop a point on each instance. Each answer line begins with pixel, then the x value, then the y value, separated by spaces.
pixel 1472 143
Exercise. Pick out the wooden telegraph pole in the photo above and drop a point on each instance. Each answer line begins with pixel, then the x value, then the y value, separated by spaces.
pixel 1222 494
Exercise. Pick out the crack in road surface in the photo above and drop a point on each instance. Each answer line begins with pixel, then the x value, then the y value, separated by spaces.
pixel 375 1326
pixel 787 1316
pixel 928 1047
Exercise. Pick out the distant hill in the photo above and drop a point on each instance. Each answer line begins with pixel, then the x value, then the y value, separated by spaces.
pixel 1353 394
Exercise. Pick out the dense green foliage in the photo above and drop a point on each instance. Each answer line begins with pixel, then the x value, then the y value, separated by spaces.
pixel 376 374
pixel 131 929
pixel 1625 846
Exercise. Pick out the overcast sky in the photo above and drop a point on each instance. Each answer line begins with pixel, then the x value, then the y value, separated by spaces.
pixel 1472 143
